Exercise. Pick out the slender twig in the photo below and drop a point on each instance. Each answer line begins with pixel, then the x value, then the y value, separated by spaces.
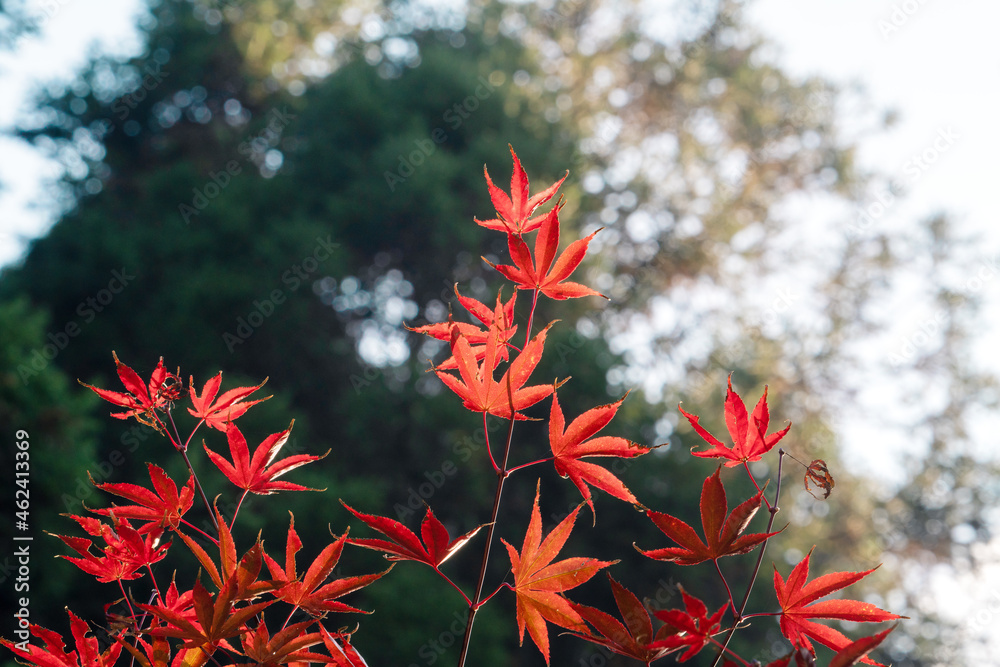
pixel 502 474
pixel 201 491
pixel 177 442
pixel 729 651
pixel 501 477
pixel 773 509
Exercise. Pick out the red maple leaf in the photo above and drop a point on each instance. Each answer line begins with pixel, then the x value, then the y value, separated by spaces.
pixel 749 441
pixel 476 386
pixel 157 652
pixel 633 639
pixel 310 593
pixel 125 552
pixel 161 508
pixel 217 620
pixel 288 645
pixel 257 474
pixel 693 627
pixel 53 654
pixel 405 545
pixel 502 317
pixel 539 273
pixel 241 574
pixel 142 400
pixel 539 583
pixel 570 444
pixel 230 406
pixel 858 650
pixel 513 211
pixel 798 607
pixel 341 651
pixel 723 534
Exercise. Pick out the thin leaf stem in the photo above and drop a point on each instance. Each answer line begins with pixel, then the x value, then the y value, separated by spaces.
pixel 127 601
pixel 490 596
pixel 155 587
pixel 489 450
pixel 290 614
pixel 531 318
pixel 196 427
pixel 502 474
pixel 773 509
pixel 732 600
pixel 194 527
pixel 232 522
pixel 750 474
pixel 530 463
pixel 454 585
pixel 201 491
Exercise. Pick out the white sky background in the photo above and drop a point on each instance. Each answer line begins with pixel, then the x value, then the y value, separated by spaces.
pixel 933 61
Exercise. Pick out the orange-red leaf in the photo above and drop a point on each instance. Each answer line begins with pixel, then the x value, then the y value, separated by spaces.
pixel 541 273
pixel 798 600
pixel 750 441
pixel 53 654
pixel 477 388
pixel 723 535
pixel 162 507
pixel 539 583
pixel 692 627
pixel 125 552
pixel 217 620
pixel 405 545
pixel 257 474
pixel 856 651
pixel 309 592
pixel 570 444
pixel 631 639
pixel 502 317
pixel 288 645
pixel 142 399
pixel 230 406
pixel 514 211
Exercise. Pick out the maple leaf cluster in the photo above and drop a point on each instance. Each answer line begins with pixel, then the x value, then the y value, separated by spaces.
pixel 190 627
pixel 231 619
pixel 477 353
